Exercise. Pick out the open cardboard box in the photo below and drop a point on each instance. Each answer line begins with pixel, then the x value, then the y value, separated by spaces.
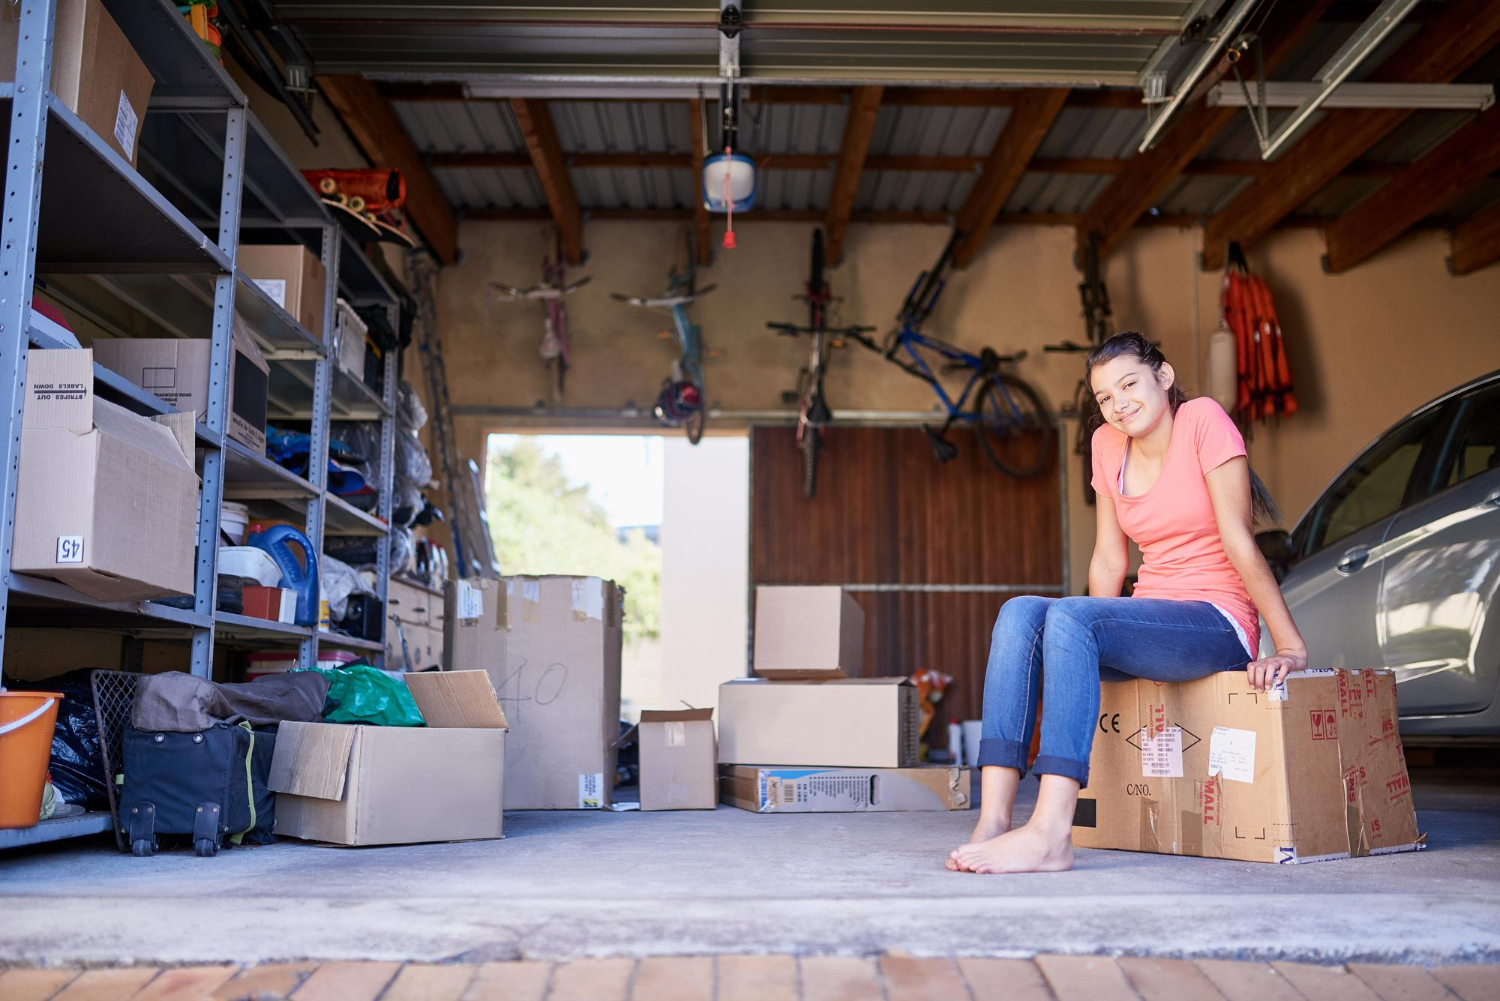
pixel 677 752
pixel 386 785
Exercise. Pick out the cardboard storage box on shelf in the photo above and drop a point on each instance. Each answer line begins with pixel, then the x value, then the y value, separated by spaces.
pixel 106 500
pixel 1309 771
pixel 176 371
pixel 846 723
pixel 349 340
pixel 808 632
pixel 292 276
pixel 95 72
pixel 552 647
pixel 396 785
pixel 844 790
pixel 678 759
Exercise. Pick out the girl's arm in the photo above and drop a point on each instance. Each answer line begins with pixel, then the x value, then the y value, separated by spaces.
pixel 1111 551
pixel 1229 490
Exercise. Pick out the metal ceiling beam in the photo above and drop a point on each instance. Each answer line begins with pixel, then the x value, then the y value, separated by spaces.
pixel 1135 191
pixel 551 170
pixel 379 133
pixel 1463 159
pixel 1461 34
pixel 859 126
pixel 1476 243
pixel 1024 131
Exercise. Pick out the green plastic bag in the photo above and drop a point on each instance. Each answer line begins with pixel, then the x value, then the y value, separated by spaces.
pixel 361 694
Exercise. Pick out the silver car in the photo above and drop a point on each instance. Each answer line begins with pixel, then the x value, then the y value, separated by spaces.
pixel 1397 563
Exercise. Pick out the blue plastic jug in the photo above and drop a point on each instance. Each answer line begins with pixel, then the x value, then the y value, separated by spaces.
pixel 297 575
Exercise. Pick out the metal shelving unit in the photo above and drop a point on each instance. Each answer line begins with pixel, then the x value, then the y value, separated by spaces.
pixel 154 248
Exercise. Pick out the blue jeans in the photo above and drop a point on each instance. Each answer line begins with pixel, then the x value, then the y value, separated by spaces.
pixel 1061 648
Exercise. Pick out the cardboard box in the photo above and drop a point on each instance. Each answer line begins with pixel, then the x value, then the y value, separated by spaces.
pixel 106 501
pixel 95 72
pixel 844 790
pixel 279 604
pixel 808 632
pixel 552 647
pixel 176 371
pixel 849 723
pixel 349 341
pixel 1309 771
pixel 292 276
pixel 678 759
pixel 388 785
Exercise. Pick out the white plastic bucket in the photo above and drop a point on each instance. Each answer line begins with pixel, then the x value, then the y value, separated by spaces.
pixel 234 521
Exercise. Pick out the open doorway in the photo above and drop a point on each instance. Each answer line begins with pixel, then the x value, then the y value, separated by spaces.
pixel 666 520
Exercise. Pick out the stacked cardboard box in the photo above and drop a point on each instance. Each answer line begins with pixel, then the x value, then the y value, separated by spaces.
pixel 551 645
pixel 844 742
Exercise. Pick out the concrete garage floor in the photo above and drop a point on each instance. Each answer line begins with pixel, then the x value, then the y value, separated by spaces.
pixel 564 885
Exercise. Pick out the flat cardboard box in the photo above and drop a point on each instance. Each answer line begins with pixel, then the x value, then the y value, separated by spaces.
pixel 292 276
pixel 95 72
pixel 848 723
pixel 1311 770
pixel 106 500
pixel 808 632
pixel 552 647
pixel 176 370
pixel 387 785
pixel 678 759
pixel 845 790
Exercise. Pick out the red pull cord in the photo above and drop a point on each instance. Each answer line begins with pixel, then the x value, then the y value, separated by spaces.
pixel 729 203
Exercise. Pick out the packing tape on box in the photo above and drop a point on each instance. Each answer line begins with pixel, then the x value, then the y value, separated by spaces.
pixel 676 734
pixel 587 600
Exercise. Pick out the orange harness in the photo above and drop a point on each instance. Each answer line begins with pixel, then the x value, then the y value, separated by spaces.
pixel 1265 379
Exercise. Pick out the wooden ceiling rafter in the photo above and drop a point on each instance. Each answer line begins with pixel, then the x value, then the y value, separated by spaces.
pixel 380 136
pixel 1461 32
pixel 1476 243
pixel 859 126
pixel 1463 159
pixel 540 134
pixel 701 228
pixel 1149 174
pixel 1028 124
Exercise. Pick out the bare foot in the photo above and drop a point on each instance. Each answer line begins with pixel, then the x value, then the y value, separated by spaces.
pixel 984 830
pixel 1026 849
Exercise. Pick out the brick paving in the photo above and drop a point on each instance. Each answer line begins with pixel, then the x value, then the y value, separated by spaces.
pixel 809 978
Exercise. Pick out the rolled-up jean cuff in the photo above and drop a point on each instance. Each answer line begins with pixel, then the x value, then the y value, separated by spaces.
pixel 1003 753
pixel 1046 764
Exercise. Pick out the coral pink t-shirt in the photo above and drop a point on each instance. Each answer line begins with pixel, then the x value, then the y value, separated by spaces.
pixel 1173 522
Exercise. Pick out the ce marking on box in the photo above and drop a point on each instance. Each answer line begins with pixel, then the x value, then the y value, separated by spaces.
pixel 1113 724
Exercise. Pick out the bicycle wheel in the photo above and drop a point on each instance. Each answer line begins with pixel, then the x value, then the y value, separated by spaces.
pixel 810 443
pixel 1012 425
pixel 694 424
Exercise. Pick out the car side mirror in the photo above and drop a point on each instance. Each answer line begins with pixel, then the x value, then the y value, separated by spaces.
pixel 1276 547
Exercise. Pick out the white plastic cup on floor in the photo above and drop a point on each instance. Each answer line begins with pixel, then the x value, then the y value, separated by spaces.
pixel 971 742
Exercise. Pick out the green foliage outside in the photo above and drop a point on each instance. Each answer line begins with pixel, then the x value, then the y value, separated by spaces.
pixel 541 525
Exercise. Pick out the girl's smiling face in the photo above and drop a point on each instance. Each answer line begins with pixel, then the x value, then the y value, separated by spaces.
pixel 1131 397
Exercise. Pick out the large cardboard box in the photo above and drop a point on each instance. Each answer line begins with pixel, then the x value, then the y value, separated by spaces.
pixel 1311 770
pixel 389 785
pixel 176 370
pixel 808 632
pixel 552 647
pixel 106 501
pixel 292 276
pixel 846 723
pixel 844 790
pixel 678 759
pixel 95 72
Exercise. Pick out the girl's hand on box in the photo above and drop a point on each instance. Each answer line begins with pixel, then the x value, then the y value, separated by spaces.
pixel 1272 670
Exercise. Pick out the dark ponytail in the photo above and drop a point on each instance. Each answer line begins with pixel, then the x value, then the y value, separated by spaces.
pixel 1130 343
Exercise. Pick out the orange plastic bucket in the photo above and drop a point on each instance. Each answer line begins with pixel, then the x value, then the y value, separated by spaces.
pixel 26 722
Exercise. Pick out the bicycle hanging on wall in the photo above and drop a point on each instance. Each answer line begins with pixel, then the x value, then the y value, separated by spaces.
pixel 551 292
pixel 682 402
pixel 1007 415
pixel 813 413
pixel 1098 325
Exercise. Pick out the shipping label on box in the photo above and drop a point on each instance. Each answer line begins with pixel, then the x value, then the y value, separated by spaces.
pixel 844 790
pixel 1311 771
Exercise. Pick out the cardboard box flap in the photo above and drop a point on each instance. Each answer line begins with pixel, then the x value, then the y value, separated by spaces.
pixel 312 759
pixel 59 390
pixel 142 432
pixel 183 427
pixel 675 715
pixel 457 699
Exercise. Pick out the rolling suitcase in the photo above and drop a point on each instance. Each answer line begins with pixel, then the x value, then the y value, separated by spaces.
pixel 209 786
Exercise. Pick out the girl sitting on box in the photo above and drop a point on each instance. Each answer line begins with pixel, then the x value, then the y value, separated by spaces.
pixel 1171 474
